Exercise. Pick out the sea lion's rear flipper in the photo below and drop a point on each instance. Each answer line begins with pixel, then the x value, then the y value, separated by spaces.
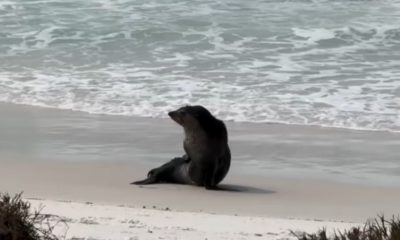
pixel 149 180
pixel 173 171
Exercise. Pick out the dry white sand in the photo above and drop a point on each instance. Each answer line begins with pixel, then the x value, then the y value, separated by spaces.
pixel 90 221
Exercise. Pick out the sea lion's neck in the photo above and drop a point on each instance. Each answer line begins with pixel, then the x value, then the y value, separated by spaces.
pixel 195 142
pixel 195 134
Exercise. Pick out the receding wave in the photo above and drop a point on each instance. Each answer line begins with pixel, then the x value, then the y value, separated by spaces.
pixel 327 63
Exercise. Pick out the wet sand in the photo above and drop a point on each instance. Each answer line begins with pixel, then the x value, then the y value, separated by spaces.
pixel 108 183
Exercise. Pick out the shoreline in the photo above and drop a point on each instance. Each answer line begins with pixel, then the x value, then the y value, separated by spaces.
pixel 327 127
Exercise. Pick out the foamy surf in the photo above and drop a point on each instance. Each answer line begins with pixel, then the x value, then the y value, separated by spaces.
pixel 264 61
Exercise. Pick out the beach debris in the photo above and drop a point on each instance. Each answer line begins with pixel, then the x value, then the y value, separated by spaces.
pixel 89 221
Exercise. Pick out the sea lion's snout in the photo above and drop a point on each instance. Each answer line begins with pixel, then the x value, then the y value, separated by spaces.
pixel 174 115
pixel 171 114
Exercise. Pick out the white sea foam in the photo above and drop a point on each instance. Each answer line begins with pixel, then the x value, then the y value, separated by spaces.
pixel 294 62
pixel 314 35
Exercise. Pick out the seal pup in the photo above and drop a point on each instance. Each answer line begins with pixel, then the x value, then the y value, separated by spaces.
pixel 207 155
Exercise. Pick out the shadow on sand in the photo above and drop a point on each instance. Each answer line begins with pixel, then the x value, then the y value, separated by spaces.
pixel 221 187
pixel 243 189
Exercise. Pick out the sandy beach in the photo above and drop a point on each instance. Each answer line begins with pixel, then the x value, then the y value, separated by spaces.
pixel 309 91
pixel 79 166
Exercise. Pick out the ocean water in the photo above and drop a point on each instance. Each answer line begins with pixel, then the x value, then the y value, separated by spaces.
pixel 313 62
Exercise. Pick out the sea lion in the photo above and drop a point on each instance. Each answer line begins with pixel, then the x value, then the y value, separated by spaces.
pixel 208 157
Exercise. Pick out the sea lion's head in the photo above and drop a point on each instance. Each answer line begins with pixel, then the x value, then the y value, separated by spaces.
pixel 191 116
pixel 195 118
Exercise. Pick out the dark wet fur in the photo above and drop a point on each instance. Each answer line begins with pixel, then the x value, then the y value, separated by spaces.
pixel 214 127
pixel 206 167
pixel 168 172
